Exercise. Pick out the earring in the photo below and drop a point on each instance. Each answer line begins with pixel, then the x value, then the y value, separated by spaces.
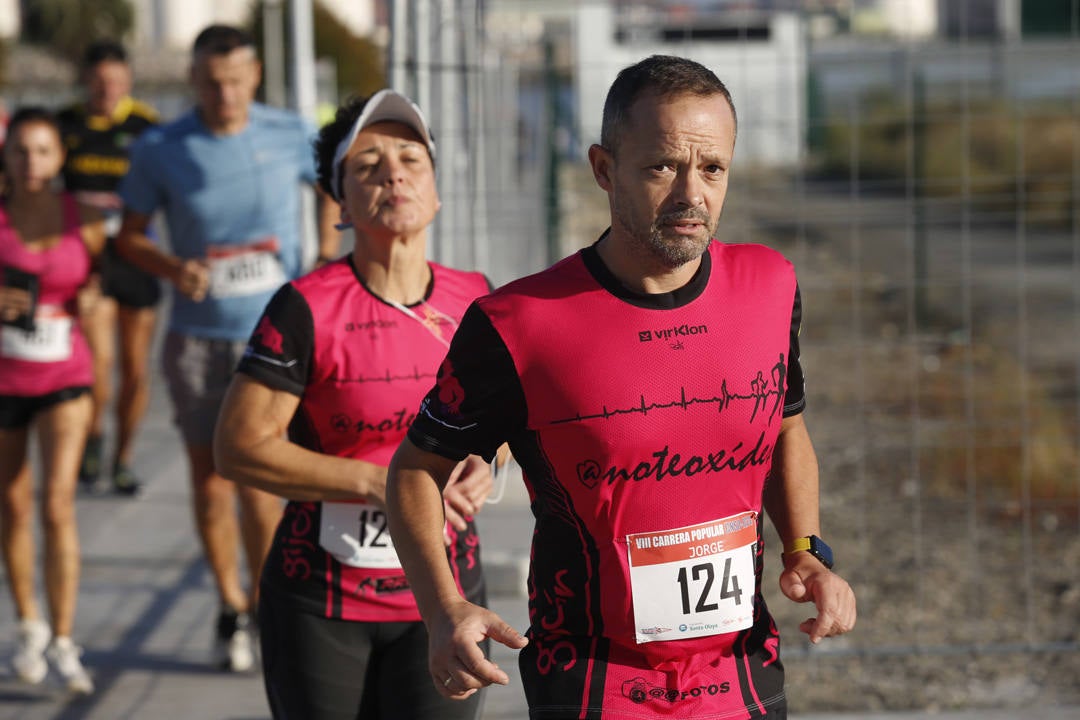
pixel 345 223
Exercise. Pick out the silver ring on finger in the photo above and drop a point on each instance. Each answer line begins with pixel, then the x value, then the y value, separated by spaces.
pixel 449 679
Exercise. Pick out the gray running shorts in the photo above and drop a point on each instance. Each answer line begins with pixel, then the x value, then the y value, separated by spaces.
pixel 198 371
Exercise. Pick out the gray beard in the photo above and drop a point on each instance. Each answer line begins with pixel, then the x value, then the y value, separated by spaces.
pixel 676 253
pixel 650 242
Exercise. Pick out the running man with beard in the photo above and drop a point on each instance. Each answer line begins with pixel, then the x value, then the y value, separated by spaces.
pixel 650 388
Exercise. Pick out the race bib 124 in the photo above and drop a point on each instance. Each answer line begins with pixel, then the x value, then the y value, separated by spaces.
pixel 693 581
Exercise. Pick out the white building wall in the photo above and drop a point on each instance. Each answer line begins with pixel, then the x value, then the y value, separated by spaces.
pixel 9 18
pixel 766 79
pixel 182 21
pixel 175 23
pixel 911 18
pixel 357 15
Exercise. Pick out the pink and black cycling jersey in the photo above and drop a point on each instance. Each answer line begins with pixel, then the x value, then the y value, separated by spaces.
pixel 645 427
pixel 360 367
pixel 54 355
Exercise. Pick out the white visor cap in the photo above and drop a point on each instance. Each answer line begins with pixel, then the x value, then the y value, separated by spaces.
pixel 384 106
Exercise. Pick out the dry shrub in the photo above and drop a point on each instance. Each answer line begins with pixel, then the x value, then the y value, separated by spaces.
pixel 1023 442
pixel 994 154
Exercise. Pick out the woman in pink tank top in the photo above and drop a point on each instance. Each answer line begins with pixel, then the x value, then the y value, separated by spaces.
pixel 46 243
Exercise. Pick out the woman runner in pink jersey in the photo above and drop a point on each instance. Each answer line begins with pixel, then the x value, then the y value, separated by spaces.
pixel 339 362
pixel 46 244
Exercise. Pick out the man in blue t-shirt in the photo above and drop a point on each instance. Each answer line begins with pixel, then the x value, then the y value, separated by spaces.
pixel 227 175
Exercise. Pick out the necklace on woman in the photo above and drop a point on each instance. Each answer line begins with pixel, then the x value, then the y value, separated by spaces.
pixel 434 319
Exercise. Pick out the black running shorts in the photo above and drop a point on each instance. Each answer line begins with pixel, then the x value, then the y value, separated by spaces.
pixel 318 668
pixel 125 283
pixel 16 411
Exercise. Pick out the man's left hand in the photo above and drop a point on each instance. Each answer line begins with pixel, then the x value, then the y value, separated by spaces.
pixel 805 579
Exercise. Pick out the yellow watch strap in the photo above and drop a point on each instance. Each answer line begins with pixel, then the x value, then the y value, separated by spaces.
pixel 797 545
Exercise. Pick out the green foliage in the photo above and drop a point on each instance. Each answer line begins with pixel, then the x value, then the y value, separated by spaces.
pixel 1003 465
pixel 358 60
pixel 1049 17
pixel 67 26
pixel 1003 153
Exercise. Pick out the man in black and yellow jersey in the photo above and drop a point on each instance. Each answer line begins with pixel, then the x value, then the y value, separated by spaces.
pixel 98 133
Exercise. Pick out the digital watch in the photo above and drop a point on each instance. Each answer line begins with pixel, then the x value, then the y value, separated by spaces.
pixel 813 545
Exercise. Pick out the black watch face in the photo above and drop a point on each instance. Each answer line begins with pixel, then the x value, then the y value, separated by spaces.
pixel 821 551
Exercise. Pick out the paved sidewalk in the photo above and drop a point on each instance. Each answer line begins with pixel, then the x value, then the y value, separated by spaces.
pixel 147 604
pixel 147 608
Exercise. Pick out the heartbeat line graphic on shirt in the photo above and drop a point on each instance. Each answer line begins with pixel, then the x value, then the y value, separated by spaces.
pixel 761 391
pixel 389 377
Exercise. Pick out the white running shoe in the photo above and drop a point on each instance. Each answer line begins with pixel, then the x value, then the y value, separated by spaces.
pixel 234 645
pixel 29 658
pixel 64 654
pixel 241 651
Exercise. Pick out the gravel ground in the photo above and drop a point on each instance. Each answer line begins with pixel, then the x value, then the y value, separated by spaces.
pixel 948 452
pixel 946 425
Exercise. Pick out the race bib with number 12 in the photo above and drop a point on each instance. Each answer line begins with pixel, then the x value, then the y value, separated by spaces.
pixel 356 534
pixel 49 341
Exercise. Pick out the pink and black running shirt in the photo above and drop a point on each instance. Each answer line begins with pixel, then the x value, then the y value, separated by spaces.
pixel 645 426
pixel 360 367
pixel 53 356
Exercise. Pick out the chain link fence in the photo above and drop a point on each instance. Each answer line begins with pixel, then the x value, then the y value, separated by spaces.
pixel 928 192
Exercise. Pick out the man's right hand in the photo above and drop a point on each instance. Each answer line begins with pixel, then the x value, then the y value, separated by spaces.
pixel 457 664
pixel 192 279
